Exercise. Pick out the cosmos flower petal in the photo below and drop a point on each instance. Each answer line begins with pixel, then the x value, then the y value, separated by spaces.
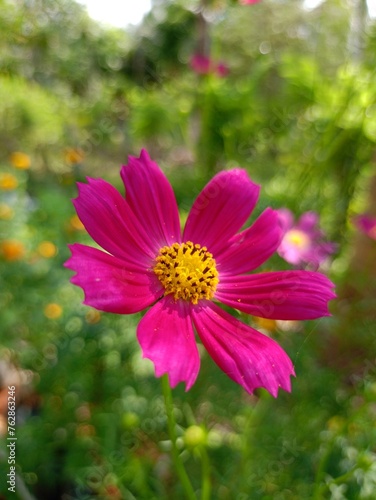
pixel 303 243
pixel 293 253
pixel 221 209
pixel 285 218
pixel 247 356
pixel 286 295
pixel 151 197
pixel 166 337
pixel 249 249
pixel 319 252
pixel 308 222
pixel 110 222
pixel 109 284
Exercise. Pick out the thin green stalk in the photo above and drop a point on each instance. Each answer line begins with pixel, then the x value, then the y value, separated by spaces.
pixel 338 480
pixel 179 467
pixel 206 484
pixel 318 486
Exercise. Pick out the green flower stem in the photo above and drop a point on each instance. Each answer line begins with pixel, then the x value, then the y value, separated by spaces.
pixel 183 476
pixel 317 492
pixel 206 484
pixel 322 488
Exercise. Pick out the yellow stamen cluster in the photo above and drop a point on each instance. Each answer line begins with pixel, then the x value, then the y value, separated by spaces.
pixel 187 271
pixel 297 238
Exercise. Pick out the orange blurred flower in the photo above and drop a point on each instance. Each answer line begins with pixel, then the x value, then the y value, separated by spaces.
pixel 12 250
pixel 76 224
pixel 47 249
pixel 269 325
pixel 20 160
pixel 53 311
pixel 8 181
pixel 73 155
pixel 93 316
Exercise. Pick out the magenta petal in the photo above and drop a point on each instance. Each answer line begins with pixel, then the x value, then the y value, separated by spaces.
pixel 251 248
pixel 166 337
pixel 319 252
pixel 221 209
pixel 285 218
pixel 151 197
pixel 110 222
pixel 109 284
pixel 308 222
pixel 292 254
pixel 248 357
pixel 288 295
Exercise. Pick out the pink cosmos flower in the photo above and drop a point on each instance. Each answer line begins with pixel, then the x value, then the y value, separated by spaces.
pixel 366 224
pixel 148 262
pixel 303 242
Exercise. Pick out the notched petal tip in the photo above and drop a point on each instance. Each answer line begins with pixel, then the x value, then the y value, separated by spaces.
pixel 172 381
pixel 111 223
pixel 70 260
pixel 281 295
pixel 109 284
pixel 166 337
pixel 274 380
pixel 150 196
pixel 144 156
pixel 248 357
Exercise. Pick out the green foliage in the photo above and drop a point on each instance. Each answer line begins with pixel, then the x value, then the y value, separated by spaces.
pixel 31 117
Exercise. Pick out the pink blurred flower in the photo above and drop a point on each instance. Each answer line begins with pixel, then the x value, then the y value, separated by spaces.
pixel 222 69
pixel 366 224
pixel 249 2
pixel 303 242
pixel 147 261
pixel 203 65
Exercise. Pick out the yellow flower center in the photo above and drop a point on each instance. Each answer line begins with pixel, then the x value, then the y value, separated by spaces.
pixel 297 238
pixel 187 271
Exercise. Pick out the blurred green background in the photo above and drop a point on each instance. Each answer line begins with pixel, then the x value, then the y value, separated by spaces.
pixel 297 109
